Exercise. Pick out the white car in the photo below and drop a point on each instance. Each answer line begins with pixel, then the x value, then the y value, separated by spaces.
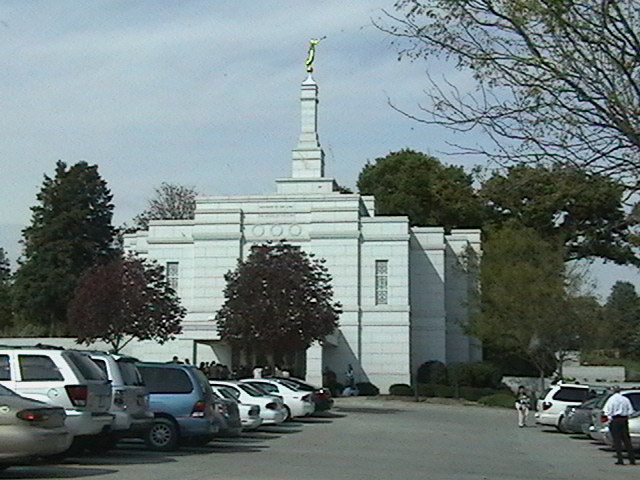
pixel 272 409
pixel 297 402
pixel 63 378
pixel 249 414
pixel 555 399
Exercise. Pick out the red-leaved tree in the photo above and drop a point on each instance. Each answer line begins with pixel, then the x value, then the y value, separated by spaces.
pixel 277 302
pixel 126 299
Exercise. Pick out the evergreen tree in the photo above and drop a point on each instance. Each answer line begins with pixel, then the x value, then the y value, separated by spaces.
pixel 70 231
pixel 622 311
pixel 6 312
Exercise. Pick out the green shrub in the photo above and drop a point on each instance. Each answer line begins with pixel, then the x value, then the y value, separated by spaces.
pixel 433 372
pixel 401 389
pixel 475 374
pixel 367 389
pixel 500 399
pixel 433 390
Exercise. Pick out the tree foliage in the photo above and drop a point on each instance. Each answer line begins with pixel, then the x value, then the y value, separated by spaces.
pixel 6 310
pixel 171 202
pixel 622 311
pixel 70 231
pixel 277 301
pixel 523 303
pixel 125 299
pixel 583 212
pixel 419 186
pixel 557 80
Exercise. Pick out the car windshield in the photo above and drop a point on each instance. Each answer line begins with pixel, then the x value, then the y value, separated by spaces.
pixel 5 392
pixel 130 373
pixel 296 385
pixel 228 393
pixel 251 390
pixel 85 365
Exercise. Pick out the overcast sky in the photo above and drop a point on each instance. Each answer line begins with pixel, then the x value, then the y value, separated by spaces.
pixel 200 93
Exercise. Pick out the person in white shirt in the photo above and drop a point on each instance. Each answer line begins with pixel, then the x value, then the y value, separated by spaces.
pixel 617 408
pixel 522 405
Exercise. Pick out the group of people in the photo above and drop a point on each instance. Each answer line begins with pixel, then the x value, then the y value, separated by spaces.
pixel 617 409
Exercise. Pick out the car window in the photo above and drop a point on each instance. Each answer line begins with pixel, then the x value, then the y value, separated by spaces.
pixel 203 381
pixel 267 387
pixel 130 373
pixel 229 393
pixel 102 364
pixel 165 380
pixel 34 368
pixel 4 391
pixel 591 403
pixel 5 371
pixel 635 399
pixel 570 394
pixel 87 367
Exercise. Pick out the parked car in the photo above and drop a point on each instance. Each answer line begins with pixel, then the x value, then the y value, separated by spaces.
pixel 30 429
pixel 272 409
pixel 183 405
pixel 600 423
pixel 249 414
pixel 322 398
pixel 63 378
pixel 228 415
pixel 129 399
pixel 577 418
pixel 298 403
pixel 555 399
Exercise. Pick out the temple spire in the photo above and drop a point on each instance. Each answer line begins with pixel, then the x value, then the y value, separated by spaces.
pixel 308 157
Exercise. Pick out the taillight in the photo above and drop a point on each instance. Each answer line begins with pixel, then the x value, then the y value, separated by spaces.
pixel 322 393
pixel 33 415
pixel 78 394
pixel 118 398
pixel 604 418
pixel 546 405
pixel 271 406
pixel 199 409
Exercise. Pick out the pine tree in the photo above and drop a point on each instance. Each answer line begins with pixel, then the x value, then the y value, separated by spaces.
pixel 5 290
pixel 70 231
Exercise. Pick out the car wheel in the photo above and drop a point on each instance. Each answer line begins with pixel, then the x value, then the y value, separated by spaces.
pixel 163 435
pixel 287 414
pixel 560 426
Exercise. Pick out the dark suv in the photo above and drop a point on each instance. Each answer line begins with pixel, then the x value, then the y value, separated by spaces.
pixel 183 405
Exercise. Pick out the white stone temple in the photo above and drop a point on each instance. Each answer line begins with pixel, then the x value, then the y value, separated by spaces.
pixel 405 291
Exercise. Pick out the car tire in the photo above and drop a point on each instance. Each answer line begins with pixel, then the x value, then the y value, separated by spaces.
pixel 287 415
pixel 560 426
pixel 163 435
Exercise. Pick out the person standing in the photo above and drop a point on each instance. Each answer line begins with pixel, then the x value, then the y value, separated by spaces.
pixel 617 408
pixel 522 405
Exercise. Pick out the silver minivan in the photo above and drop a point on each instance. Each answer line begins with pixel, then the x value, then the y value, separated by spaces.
pixel 129 400
pixel 64 378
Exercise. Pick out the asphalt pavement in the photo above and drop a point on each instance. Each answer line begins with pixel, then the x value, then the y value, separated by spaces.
pixel 364 438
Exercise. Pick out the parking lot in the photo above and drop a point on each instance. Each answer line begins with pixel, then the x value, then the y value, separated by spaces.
pixel 363 438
